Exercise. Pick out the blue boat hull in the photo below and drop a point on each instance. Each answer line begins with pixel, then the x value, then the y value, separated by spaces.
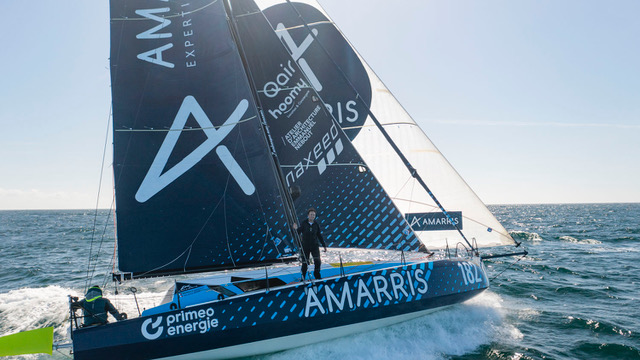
pixel 286 317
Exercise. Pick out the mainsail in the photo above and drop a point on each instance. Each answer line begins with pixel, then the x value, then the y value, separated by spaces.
pixel 355 95
pixel 196 188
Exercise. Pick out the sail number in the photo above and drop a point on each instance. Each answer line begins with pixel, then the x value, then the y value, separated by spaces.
pixel 469 273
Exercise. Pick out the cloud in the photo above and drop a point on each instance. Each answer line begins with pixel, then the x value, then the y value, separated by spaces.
pixel 31 199
pixel 536 124
pixel 32 193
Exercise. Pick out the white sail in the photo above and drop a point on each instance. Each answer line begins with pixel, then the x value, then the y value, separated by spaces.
pixel 442 179
pixel 433 228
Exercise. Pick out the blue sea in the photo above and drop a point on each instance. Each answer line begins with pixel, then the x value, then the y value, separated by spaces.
pixel 575 296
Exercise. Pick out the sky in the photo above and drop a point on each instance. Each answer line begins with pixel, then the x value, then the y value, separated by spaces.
pixel 532 101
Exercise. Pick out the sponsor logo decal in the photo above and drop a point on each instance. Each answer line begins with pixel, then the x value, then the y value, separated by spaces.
pixel 434 221
pixel 156 180
pixel 156 329
pixel 379 289
pixel 180 323
pixel 323 153
pixel 306 51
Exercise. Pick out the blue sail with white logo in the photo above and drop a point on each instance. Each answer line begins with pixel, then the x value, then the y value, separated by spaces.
pixel 316 156
pixel 196 185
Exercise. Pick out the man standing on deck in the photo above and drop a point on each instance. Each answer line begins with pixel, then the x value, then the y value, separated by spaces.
pixel 311 234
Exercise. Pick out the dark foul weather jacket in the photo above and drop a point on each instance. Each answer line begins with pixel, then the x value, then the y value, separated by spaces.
pixel 95 307
pixel 311 234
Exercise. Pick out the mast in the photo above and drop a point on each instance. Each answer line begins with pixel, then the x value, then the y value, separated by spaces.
pixel 286 194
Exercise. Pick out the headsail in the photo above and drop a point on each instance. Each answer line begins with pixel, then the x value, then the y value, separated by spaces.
pixel 196 187
pixel 315 155
pixel 336 65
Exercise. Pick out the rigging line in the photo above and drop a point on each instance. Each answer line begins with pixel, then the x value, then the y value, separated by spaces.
pixel 102 238
pixel 184 268
pixel 280 88
pixel 402 187
pixel 265 243
pixel 190 249
pixel 386 135
pixel 327 165
pixel 63 354
pixel 257 192
pixel 375 126
pixel 301 26
pixel 508 267
pixel 189 129
pixel 190 245
pixel 115 230
pixel 226 229
pixel 95 215
pixel 104 231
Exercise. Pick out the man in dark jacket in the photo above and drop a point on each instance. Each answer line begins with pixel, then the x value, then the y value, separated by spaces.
pixel 95 308
pixel 311 234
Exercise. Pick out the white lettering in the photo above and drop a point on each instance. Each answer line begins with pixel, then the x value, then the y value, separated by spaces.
pixel 151 33
pixel 312 300
pixel 397 283
pixel 363 291
pixel 420 278
pixel 390 287
pixel 351 108
pixel 155 56
pixel 331 298
pixel 381 289
pixel 183 322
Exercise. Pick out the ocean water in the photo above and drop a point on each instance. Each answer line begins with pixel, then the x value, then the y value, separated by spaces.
pixel 576 296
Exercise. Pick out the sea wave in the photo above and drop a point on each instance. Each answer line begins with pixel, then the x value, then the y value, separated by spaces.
pixel 598 327
pixel 453 331
pixel 571 239
pixel 33 308
pixel 613 351
pixel 525 236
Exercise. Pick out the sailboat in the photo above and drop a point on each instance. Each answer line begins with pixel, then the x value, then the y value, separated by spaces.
pixel 230 119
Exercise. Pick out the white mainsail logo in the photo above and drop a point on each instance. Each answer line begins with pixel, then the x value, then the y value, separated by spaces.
pixel 156 180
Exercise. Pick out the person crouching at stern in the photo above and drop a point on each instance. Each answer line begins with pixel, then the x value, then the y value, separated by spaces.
pixel 95 308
